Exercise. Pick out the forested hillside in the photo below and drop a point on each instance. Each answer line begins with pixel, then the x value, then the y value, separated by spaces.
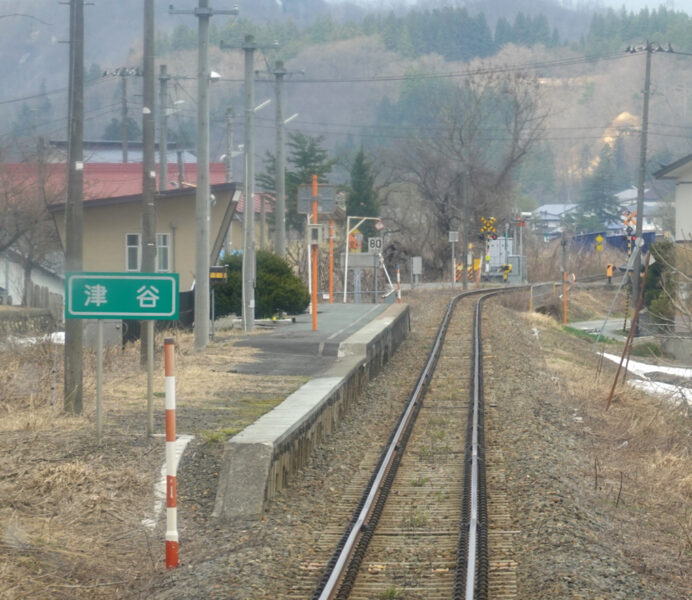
pixel 376 79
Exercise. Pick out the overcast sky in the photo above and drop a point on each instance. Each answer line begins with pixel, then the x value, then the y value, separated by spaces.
pixel 635 5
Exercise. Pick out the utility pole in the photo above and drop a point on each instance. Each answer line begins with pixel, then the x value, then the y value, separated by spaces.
pixel 248 294
pixel 649 48
pixel 148 264
pixel 563 243
pixel 229 145
pixel 280 174
pixel 163 128
pixel 148 149
pixel 642 172
pixel 74 213
pixel 202 211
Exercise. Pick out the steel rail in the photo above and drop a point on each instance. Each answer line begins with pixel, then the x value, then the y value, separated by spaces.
pixel 375 492
pixel 473 492
pixel 471 577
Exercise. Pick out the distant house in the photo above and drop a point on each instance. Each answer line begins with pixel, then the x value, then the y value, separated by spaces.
pixel 681 172
pixel 654 209
pixel 46 288
pixel 548 218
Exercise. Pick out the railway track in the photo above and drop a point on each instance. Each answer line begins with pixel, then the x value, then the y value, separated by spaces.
pixel 433 521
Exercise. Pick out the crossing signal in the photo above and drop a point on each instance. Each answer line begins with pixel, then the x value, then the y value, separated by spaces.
pixel 494 236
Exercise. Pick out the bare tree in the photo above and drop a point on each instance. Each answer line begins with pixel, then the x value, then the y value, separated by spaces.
pixel 462 168
pixel 26 227
pixel 15 217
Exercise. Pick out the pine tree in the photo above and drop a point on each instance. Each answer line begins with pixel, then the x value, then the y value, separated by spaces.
pixel 598 204
pixel 306 158
pixel 362 200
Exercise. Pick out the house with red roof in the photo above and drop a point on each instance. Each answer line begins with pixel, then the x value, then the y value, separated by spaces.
pixel 112 211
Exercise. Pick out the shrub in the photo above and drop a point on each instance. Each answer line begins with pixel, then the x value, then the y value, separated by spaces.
pixel 278 289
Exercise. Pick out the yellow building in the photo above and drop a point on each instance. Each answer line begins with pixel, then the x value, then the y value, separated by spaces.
pixel 113 220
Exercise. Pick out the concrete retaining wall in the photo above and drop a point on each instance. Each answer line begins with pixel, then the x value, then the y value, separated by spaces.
pixel 261 460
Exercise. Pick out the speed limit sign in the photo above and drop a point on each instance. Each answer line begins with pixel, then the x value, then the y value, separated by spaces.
pixel 374 245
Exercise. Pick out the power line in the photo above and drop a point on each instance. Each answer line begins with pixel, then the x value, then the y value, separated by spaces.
pixel 52 92
pixel 483 139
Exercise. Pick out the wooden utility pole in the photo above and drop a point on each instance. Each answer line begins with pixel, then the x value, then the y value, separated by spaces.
pixel 148 196
pixel 248 292
pixel 642 171
pixel 228 159
pixel 74 214
pixel 148 264
pixel 280 171
pixel 202 210
pixel 163 128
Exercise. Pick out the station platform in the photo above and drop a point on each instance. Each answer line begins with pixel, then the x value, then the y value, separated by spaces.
pixel 284 349
pixel 350 346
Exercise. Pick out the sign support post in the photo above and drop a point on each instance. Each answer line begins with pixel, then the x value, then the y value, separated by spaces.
pixel 331 261
pixel 99 381
pixel 314 255
pixel 454 238
pixel 150 377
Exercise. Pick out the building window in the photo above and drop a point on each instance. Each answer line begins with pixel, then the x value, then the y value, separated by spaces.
pixel 162 252
pixel 132 252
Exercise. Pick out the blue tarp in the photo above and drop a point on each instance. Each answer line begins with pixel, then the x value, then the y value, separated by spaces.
pixel 587 241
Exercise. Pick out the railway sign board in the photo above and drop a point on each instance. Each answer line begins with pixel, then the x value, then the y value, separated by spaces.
pixel 374 245
pixel 121 296
pixel 326 198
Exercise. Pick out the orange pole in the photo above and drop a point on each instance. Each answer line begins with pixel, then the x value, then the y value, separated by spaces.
pixel 314 255
pixel 331 261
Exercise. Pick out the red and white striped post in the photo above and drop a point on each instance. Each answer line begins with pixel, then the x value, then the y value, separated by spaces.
pixel 398 286
pixel 171 491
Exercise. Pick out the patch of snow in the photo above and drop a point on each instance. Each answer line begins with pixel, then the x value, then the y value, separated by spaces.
pixel 160 485
pixel 675 393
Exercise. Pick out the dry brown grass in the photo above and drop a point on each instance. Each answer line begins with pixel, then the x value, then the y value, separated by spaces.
pixel 641 451
pixel 71 510
pixel 544 261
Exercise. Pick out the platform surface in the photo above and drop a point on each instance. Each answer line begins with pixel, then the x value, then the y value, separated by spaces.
pixel 295 349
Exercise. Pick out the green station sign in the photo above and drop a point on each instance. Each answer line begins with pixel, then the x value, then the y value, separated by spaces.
pixel 121 296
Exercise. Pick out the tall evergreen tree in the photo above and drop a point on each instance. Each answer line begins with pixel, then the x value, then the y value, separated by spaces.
pixel 362 200
pixel 306 158
pixel 598 204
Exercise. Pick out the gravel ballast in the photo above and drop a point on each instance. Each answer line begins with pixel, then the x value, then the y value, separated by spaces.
pixel 573 542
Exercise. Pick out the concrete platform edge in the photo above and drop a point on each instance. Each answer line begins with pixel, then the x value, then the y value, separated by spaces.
pixel 261 460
